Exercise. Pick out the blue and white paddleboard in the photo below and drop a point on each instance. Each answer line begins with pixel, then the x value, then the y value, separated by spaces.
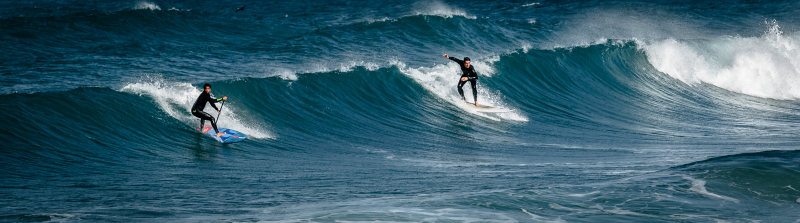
pixel 231 136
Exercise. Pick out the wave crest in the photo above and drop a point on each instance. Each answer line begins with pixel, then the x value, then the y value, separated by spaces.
pixel 146 5
pixel 767 66
pixel 437 8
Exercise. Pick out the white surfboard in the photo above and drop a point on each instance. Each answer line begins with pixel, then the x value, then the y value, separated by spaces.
pixel 487 108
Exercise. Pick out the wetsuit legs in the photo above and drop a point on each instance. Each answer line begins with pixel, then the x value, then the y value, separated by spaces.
pixel 203 117
pixel 461 91
pixel 474 90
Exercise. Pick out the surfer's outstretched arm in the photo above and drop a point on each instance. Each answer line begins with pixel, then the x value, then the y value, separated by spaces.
pixel 454 59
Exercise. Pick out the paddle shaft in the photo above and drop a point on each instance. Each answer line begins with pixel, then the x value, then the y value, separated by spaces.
pixel 220 111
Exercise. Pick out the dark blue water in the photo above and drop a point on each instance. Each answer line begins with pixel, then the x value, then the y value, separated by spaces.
pixel 620 111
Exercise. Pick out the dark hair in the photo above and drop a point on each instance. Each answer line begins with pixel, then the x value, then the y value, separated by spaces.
pixel 466 58
pixel 206 85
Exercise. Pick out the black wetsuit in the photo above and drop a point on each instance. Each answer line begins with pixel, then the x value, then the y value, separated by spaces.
pixel 471 76
pixel 200 104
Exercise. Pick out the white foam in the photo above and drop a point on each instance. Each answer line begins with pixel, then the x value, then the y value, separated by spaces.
pixel 382 208
pixel 426 8
pixel 179 10
pixel 268 69
pixel 767 66
pixel 438 8
pixel 176 99
pixel 620 211
pixel 530 4
pixel 330 67
pixel 583 195
pixel 441 80
pixel 699 186
pixel 538 218
pixel 526 46
pixel 146 5
pixel 562 208
pixel 285 74
pixel 382 19
pixel 348 67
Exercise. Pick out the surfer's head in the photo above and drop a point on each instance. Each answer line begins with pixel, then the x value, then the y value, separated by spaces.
pixel 466 61
pixel 207 88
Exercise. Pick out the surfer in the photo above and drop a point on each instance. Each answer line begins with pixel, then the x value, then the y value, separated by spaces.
pixel 467 74
pixel 200 104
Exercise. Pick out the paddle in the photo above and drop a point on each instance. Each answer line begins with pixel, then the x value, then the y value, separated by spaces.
pixel 220 111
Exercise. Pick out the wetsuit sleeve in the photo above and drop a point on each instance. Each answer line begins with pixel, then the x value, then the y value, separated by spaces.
pixel 456 60
pixel 212 101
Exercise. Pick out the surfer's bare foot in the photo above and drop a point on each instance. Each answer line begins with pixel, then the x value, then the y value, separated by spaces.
pixel 476 104
pixel 220 133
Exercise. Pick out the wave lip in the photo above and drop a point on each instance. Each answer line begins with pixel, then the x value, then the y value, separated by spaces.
pixel 767 66
pixel 146 5
pixel 437 8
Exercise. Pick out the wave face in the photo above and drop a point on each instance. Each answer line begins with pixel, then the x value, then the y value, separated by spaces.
pixel 616 111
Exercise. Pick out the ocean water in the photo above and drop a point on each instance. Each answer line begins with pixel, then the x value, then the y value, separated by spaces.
pixel 618 111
